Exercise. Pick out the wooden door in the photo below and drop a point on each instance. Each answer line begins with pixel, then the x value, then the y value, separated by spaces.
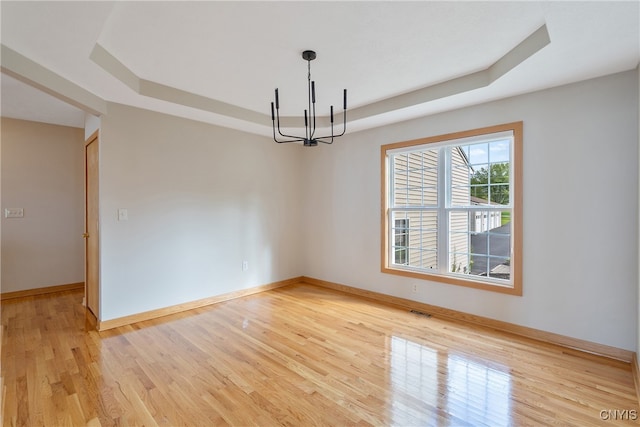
pixel 92 237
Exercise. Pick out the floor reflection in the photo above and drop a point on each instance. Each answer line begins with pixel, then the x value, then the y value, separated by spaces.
pixel 436 388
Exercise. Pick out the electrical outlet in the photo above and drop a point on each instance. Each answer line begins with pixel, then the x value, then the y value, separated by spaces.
pixel 14 213
pixel 415 288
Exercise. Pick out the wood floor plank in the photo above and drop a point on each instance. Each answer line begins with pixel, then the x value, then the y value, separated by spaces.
pixel 296 355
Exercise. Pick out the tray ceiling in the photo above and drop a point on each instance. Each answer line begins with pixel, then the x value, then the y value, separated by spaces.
pixel 219 62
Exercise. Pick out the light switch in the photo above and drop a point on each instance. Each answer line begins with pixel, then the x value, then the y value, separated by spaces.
pixel 14 213
pixel 123 215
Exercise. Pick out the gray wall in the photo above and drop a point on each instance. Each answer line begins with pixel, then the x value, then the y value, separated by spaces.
pixel 201 200
pixel 580 220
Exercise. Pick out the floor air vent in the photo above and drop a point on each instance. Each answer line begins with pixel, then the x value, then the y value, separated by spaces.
pixel 421 313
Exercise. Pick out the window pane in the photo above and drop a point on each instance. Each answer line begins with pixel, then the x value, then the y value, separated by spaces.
pixel 501 268
pixel 401 233
pixel 459 263
pixel 490 243
pixel 500 151
pixel 479 264
pixel 459 242
pixel 479 184
pixel 499 194
pixel 415 178
pixel 482 221
pixel 461 196
pixel 400 256
pixel 499 248
pixel 479 194
pixel 414 196
pixel 400 179
pixel 499 244
pixel 415 238
pixel 499 173
pixel 459 221
pixel 479 242
pixel 400 162
pixel 477 153
pixel 425 259
pixel 461 174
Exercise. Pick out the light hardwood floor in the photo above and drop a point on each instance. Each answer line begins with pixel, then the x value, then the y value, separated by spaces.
pixel 298 355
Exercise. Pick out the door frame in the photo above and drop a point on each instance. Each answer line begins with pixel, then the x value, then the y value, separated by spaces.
pixel 91 317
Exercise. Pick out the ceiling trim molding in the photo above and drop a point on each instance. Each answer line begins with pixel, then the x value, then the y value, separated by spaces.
pixel 477 80
pixel 24 69
pixel 112 65
pixel 34 74
pixel 527 48
pixel 516 56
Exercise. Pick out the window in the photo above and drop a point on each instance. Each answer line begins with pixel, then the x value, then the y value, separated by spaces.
pixel 401 233
pixel 452 208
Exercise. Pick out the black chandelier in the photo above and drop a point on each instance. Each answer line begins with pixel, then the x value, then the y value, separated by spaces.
pixel 309 139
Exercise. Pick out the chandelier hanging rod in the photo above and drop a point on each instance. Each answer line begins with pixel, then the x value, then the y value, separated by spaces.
pixel 309 139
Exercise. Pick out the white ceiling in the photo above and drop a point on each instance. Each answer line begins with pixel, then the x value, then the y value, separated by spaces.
pixel 219 62
pixel 21 101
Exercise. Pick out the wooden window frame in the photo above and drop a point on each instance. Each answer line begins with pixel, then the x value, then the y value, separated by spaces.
pixel 516 213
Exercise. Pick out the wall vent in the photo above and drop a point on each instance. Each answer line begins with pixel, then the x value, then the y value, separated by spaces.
pixel 420 313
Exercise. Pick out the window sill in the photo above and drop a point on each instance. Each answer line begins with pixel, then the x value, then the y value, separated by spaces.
pixel 514 289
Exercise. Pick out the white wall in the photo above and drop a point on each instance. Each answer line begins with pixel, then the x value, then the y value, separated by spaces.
pixel 1 210
pixel 91 124
pixel 580 211
pixel 42 172
pixel 201 199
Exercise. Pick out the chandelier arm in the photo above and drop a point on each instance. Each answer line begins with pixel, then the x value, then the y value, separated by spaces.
pixel 332 136
pixel 314 119
pixel 321 138
pixel 344 124
pixel 344 120
pixel 284 135
pixel 344 116
pixel 276 114
pixel 294 138
pixel 306 126
pixel 286 140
